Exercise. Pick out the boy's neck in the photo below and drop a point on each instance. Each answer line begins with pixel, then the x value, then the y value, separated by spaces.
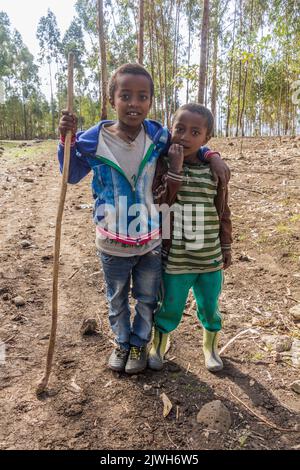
pixel 193 158
pixel 126 132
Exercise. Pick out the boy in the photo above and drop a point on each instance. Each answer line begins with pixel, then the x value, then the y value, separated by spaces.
pixel 195 259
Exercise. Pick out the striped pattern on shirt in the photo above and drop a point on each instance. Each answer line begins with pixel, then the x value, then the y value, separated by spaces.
pixel 195 240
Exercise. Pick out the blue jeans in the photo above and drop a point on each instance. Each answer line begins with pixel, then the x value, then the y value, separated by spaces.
pixel 145 273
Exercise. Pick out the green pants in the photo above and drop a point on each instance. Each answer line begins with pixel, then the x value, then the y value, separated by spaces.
pixel 207 288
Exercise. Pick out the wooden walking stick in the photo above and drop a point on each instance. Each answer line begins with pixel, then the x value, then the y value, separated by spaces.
pixel 44 382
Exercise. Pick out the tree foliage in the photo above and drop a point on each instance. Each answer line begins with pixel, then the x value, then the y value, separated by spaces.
pixel 252 62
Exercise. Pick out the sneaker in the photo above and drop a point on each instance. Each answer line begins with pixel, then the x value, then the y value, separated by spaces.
pixel 118 358
pixel 137 360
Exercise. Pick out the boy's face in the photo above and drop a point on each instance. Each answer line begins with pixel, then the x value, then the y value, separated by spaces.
pixel 132 98
pixel 189 130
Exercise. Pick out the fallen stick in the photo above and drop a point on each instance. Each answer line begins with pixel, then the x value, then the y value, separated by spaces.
pixel 44 382
pixel 261 418
pixel 246 189
pixel 75 272
pixel 252 330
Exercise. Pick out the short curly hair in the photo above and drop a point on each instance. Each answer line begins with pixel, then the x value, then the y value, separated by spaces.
pixel 133 69
pixel 200 109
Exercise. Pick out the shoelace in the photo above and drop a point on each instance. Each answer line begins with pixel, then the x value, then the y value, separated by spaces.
pixel 121 352
pixel 135 353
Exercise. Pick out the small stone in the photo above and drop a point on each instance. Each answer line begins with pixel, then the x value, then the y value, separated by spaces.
pixel 47 257
pixel 19 301
pixel 295 312
pixel 5 188
pixel 147 387
pixel 283 343
pixel 25 244
pixel 73 410
pixel 295 386
pixel 295 353
pixel 252 382
pixel 28 180
pixel 43 337
pixel 4 289
pixel 6 296
pixel 89 326
pixel 19 317
pixel 134 377
pixel 215 416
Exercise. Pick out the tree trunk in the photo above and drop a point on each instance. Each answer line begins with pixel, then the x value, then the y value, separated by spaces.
pixel 141 33
pixel 154 21
pixel 207 77
pixel 52 102
pixel 189 53
pixel 151 55
pixel 246 77
pixel 240 77
pixel 174 90
pixel 203 54
pixel 231 76
pixel 25 121
pixel 214 81
pixel 164 38
pixel 102 59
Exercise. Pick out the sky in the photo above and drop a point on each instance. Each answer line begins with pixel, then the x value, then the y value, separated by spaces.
pixel 24 16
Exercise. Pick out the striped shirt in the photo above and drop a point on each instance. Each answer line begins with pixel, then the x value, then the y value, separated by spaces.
pixel 195 240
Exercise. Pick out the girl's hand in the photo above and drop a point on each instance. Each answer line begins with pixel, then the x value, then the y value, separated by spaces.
pixel 68 122
pixel 226 258
pixel 176 157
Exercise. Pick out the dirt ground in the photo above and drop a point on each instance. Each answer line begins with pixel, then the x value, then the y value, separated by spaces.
pixel 90 407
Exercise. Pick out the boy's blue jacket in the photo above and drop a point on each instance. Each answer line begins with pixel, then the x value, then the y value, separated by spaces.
pixel 115 212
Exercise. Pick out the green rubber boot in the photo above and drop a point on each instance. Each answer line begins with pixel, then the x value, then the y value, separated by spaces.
pixel 213 362
pixel 160 344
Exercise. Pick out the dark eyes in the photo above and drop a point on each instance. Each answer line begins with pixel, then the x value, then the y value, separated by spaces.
pixel 181 129
pixel 126 97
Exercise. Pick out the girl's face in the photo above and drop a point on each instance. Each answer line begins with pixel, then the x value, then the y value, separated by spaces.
pixel 132 98
pixel 189 130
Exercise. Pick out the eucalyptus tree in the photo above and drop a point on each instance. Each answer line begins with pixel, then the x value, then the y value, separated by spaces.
pixel 48 35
